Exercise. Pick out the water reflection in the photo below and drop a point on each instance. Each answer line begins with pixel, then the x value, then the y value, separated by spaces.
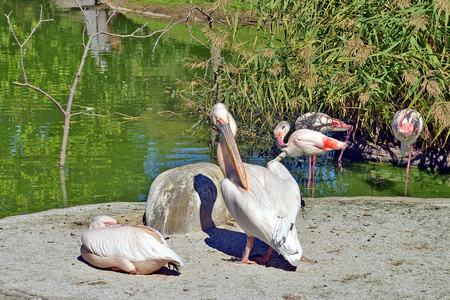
pixel 359 179
pixel 101 43
pixel 72 3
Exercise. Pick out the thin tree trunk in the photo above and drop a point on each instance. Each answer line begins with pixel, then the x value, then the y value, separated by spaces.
pixel 62 177
pixel 217 65
pixel 63 154
pixel 68 111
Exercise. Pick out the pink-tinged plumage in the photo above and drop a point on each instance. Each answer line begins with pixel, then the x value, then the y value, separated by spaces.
pixel 320 122
pixel 323 123
pixel 304 142
pixel 308 142
pixel 127 248
pixel 264 201
pixel 407 126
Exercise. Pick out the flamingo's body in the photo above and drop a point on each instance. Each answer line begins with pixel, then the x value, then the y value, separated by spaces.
pixel 127 248
pixel 323 123
pixel 308 142
pixel 263 201
pixel 407 126
pixel 304 142
pixel 320 122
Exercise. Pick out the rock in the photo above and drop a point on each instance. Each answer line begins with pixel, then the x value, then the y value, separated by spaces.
pixel 186 199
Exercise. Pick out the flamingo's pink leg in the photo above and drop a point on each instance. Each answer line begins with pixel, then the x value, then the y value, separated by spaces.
pixel 313 178
pixel 309 175
pixel 407 168
pixel 350 128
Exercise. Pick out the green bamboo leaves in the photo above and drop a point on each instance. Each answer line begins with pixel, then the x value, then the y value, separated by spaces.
pixel 356 60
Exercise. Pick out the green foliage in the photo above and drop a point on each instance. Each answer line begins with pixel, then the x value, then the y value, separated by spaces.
pixel 356 60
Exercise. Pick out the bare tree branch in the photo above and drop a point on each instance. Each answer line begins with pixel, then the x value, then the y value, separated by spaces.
pixel 21 45
pixel 87 45
pixel 38 89
pixel 126 116
pixel 32 31
pixel 112 15
pixel 193 37
pixel 86 114
pixel 186 20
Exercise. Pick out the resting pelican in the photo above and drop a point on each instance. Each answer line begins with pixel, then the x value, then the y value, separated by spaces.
pixel 263 201
pixel 127 248
pixel 407 126
pixel 304 142
pixel 323 123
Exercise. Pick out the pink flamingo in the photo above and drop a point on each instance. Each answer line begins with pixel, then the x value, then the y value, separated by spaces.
pixel 304 142
pixel 407 126
pixel 323 123
pixel 127 248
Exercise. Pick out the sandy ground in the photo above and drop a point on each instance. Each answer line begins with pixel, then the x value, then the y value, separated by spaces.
pixel 357 248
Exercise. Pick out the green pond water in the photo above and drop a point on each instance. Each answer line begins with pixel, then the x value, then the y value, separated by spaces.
pixel 116 158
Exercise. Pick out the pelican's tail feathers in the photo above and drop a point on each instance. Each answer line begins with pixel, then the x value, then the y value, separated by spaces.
pixel 291 249
pixel 286 241
pixel 175 265
pixel 282 229
pixel 175 260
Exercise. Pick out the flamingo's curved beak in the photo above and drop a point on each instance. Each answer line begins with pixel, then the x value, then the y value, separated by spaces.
pixel 233 151
pixel 281 142
pixel 341 125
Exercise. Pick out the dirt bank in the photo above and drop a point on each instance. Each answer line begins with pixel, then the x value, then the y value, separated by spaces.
pixel 178 12
pixel 353 248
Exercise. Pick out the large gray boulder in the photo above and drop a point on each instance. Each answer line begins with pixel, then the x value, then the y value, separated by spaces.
pixel 186 199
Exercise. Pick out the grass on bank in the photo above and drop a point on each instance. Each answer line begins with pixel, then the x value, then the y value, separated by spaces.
pixel 357 60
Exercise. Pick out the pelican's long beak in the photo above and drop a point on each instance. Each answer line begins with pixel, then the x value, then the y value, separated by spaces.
pixel 234 153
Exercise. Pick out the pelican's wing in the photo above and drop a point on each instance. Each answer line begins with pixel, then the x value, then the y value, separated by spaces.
pixel 284 190
pixel 255 215
pixel 268 210
pixel 135 243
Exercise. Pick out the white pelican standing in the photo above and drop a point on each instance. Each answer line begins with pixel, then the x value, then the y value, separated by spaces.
pixel 407 126
pixel 263 201
pixel 304 142
pixel 127 248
